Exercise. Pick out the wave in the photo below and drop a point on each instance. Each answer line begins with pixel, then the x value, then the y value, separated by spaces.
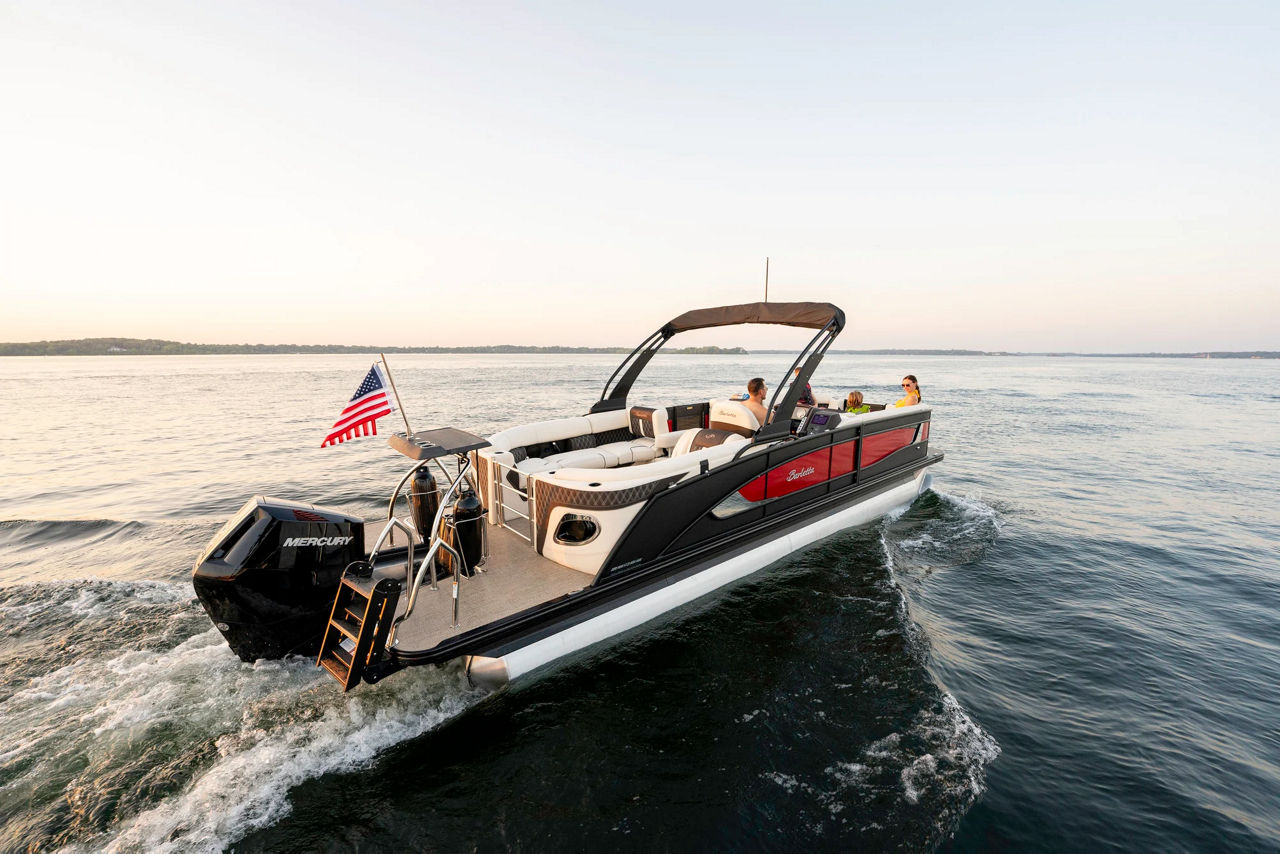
pixel 940 757
pixel 175 744
pixel 943 755
pixel 140 730
pixel 291 730
pixel 940 530
pixel 32 549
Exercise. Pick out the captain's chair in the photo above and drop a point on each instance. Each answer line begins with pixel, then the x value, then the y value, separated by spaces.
pixel 734 417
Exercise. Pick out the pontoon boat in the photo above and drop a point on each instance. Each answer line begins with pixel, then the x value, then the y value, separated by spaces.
pixel 550 537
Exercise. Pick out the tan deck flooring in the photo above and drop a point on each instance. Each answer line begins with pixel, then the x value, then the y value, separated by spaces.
pixel 515 577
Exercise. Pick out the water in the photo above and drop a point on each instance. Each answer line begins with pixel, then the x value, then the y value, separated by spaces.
pixel 1072 643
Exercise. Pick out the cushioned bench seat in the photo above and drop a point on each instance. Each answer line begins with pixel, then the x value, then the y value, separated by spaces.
pixel 607 456
pixel 595 442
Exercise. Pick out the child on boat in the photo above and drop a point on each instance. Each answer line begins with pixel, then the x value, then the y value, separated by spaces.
pixel 853 404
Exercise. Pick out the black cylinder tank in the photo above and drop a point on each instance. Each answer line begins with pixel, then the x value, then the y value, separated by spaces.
pixel 424 501
pixel 468 520
pixel 269 577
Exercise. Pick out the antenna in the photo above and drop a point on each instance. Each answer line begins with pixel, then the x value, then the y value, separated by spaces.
pixel 766 278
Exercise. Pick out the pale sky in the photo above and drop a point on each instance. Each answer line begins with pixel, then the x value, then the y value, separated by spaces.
pixel 1022 176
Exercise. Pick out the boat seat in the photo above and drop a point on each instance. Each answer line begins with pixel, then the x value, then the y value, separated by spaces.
pixel 588 458
pixel 734 417
pixel 697 440
pixel 634 451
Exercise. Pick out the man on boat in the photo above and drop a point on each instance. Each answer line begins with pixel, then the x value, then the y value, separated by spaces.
pixel 806 397
pixel 755 398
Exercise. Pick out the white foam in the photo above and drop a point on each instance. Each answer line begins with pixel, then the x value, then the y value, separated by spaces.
pixel 849 773
pixel 962 530
pixel 916 775
pixel 247 787
pixel 949 735
pixel 788 783
pixel 86 598
pixel 270 725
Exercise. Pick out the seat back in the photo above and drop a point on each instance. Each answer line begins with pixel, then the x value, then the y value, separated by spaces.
pixel 692 441
pixel 648 422
pixel 734 417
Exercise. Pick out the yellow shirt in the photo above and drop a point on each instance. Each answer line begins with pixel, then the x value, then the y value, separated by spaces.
pixel 910 400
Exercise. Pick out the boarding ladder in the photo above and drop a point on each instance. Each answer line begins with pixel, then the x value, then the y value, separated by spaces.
pixel 362 624
pixel 358 627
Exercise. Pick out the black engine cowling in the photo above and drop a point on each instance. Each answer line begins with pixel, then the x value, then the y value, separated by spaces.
pixel 269 577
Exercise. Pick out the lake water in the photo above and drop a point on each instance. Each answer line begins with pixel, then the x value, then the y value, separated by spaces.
pixel 1072 643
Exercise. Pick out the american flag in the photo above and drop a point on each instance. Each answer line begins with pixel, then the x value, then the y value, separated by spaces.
pixel 369 403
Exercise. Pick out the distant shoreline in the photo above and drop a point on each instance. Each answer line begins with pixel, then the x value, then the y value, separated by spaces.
pixel 157 347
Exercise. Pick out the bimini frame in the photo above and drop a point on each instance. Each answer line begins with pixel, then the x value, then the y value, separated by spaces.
pixel 823 316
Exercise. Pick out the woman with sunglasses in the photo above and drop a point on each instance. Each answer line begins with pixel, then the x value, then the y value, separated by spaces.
pixel 911 389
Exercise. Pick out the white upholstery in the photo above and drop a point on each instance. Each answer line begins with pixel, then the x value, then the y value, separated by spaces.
pixel 665 467
pixel 668 440
pixel 682 445
pixel 563 428
pixel 624 452
pixel 587 458
pixel 643 452
pixel 542 431
pixel 687 437
pixel 733 413
pixel 603 421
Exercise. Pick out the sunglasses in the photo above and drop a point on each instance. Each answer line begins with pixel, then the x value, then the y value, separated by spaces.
pixel 906 385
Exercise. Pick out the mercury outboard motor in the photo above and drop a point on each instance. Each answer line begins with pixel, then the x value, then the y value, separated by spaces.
pixel 269 577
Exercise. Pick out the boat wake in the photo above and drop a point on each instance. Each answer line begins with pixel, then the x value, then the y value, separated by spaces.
pixel 132 727
pixel 942 756
pixel 922 779
pixel 940 531
pixel 137 733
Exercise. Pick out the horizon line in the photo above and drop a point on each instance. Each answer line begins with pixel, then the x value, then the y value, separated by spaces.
pixel 164 347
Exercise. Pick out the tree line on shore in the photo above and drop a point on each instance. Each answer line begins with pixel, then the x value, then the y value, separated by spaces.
pixel 158 347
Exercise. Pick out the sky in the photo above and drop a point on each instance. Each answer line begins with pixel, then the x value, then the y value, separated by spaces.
pixel 1090 177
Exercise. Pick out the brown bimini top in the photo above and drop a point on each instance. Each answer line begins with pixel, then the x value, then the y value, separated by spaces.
pixel 811 315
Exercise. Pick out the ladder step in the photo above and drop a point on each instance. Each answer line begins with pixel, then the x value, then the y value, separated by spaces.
pixel 361 624
pixel 343 657
pixel 349 627
pixel 336 670
pixel 356 585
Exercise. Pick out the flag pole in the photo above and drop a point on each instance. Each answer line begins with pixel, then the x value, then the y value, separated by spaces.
pixel 408 431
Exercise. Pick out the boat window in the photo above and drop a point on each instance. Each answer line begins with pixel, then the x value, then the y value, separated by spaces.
pixel 731 506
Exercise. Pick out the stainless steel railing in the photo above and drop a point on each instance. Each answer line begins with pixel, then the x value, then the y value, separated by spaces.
pixel 498 485
pixel 435 543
